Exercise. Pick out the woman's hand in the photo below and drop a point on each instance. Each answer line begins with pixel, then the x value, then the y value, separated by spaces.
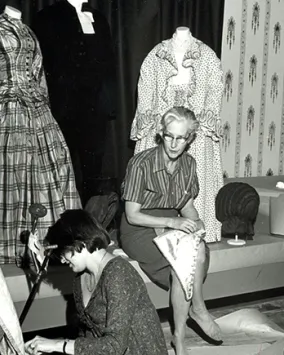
pixel 200 224
pixel 40 345
pixel 186 225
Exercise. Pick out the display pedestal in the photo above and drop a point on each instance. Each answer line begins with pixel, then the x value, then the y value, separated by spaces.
pixel 236 242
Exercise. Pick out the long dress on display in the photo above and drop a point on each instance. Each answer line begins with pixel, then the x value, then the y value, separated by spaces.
pixel 80 74
pixel 203 95
pixel 35 164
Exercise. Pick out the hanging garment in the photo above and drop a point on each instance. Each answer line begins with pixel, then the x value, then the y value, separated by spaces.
pixel 11 337
pixel 80 74
pixel 35 164
pixel 203 95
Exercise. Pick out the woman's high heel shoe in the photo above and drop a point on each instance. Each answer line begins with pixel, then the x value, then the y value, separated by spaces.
pixel 191 323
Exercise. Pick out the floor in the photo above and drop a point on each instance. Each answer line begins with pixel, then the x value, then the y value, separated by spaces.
pixel 272 308
pixel 269 303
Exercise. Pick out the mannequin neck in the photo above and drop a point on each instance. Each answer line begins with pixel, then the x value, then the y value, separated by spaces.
pixel 182 39
pixel 183 33
pixel 77 3
pixel 12 12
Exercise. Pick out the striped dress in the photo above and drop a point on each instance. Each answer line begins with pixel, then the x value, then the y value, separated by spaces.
pixel 35 164
pixel 160 194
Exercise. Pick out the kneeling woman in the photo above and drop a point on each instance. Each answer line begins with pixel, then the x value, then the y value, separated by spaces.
pixel 114 309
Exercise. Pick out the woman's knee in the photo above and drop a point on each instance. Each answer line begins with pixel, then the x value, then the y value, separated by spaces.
pixel 201 255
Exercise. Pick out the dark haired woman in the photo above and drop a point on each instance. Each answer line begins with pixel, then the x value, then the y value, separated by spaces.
pixel 115 312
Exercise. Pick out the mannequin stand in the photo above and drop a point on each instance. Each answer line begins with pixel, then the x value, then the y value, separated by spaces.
pixel 39 275
pixel 236 241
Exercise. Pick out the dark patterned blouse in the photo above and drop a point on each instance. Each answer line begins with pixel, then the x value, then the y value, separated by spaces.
pixel 119 318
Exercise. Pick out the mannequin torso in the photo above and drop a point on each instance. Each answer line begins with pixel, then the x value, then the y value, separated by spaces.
pixel 25 115
pixel 13 12
pixel 181 42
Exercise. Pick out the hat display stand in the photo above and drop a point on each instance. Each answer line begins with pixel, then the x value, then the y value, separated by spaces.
pixel 236 242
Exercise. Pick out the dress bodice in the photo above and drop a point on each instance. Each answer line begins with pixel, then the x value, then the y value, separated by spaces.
pixel 21 69
pixel 158 90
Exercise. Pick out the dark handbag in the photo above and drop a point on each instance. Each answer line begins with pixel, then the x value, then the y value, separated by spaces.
pixel 103 208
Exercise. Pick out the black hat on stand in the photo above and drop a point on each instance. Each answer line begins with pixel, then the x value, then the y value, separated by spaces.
pixel 237 207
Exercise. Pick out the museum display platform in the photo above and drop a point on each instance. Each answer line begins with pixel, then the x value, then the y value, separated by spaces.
pixel 234 270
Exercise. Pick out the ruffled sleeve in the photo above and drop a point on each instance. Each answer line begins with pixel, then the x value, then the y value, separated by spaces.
pixel 210 117
pixel 144 119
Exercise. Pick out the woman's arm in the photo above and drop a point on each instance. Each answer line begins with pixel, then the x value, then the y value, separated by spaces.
pixel 136 217
pixel 44 345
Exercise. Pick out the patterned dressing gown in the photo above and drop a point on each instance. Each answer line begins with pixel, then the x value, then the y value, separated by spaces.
pixel 203 95
pixel 35 165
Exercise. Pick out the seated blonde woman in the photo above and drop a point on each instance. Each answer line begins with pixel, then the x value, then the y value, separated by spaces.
pixel 159 191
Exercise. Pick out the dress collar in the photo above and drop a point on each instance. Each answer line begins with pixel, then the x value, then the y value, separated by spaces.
pixel 11 18
pixel 85 7
pixel 166 51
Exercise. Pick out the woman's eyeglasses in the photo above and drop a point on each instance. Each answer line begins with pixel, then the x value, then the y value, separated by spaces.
pixel 169 138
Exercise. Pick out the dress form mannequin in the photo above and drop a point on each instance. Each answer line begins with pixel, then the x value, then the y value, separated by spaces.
pixel 35 163
pixel 182 40
pixel 183 71
pixel 13 8
pixel 11 11
pixel 80 71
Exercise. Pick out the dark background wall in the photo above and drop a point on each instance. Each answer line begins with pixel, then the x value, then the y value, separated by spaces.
pixel 137 26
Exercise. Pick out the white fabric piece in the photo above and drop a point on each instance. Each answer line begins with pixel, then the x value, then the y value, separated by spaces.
pixel 280 185
pixel 250 321
pixel 36 247
pixel 247 349
pixel 86 20
pixel 180 249
pixel 12 343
